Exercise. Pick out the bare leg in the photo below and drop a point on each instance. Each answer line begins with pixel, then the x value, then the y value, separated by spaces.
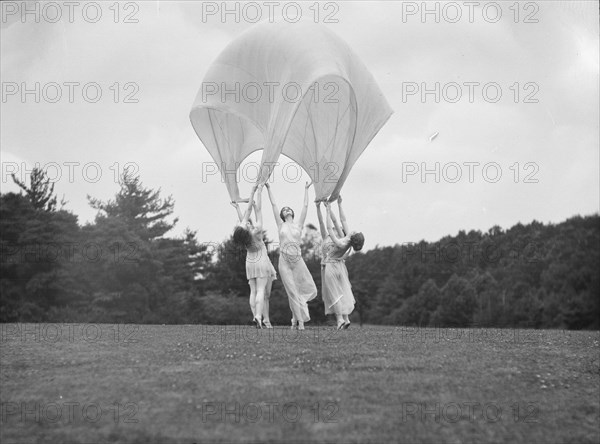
pixel 261 283
pixel 266 318
pixel 252 283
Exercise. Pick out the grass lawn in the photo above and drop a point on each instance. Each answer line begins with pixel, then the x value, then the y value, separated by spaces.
pixel 97 383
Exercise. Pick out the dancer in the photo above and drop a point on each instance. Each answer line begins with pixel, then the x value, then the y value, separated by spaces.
pixel 327 246
pixel 259 270
pixel 296 278
pixel 337 291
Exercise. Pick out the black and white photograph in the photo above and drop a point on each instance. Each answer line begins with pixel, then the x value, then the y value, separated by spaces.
pixel 300 222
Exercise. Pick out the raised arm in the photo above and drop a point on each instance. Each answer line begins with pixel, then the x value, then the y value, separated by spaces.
pixel 304 206
pixel 258 207
pixel 343 216
pixel 237 207
pixel 250 204
pixel 321 223
pixel 336 240
pixel 336 225
pixel 274 205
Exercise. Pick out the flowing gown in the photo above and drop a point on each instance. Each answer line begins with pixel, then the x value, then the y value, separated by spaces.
pixel 297 280
pixel 258 263
pixel 336 288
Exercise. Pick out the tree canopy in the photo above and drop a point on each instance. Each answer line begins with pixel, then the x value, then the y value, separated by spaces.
pixel 124 268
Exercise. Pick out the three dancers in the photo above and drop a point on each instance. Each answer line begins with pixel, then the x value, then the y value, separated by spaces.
pixel 297 280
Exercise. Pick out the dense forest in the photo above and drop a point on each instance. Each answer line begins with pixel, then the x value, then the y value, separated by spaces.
pixel 124 268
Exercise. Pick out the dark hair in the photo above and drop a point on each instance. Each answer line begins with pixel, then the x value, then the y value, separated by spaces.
pixel 241 236
pixel 357 240
pixel 281 213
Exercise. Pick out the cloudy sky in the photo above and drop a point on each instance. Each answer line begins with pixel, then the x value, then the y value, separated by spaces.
pixel 541 134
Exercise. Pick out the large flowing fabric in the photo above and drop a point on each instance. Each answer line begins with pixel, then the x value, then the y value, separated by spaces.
pixel 291 88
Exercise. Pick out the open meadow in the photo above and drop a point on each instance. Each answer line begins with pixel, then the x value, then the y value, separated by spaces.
pixel 98 383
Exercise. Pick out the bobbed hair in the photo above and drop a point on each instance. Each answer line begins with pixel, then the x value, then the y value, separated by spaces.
pixel 281 213
pixel 357 240
pixel 242 236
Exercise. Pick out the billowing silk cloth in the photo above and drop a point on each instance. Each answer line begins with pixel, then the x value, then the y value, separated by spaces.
pixel 291 88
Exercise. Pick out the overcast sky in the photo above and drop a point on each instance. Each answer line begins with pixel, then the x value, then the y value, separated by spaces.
pixel 542 134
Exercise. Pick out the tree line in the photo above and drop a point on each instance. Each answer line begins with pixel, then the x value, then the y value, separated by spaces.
pixel 123 267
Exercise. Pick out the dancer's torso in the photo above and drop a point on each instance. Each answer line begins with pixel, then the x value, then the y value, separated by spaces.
pixel 289 242
pixel 331 252
pixel 257 243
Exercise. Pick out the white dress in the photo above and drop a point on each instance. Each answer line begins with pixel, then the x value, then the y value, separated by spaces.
pixel 258 263
pixel 335 284
pixel 297 280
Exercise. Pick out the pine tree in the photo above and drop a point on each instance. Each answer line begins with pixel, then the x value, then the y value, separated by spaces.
pixel 40 190
pixel 142 209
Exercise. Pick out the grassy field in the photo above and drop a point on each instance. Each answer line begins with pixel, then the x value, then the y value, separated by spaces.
pixel 97 383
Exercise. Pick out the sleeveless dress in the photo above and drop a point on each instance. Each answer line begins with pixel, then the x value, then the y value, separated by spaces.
pixel 258 263
pixel 336 288
pixel 297 280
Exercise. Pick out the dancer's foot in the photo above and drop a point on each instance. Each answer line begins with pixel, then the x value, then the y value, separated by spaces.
pixel 293 323
pixel 257 323
pixel 300 325
pixel 340 325
pixel 346 325
pixel 267 324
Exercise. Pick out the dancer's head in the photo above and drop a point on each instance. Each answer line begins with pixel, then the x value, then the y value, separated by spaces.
pixel 285 211
pixel 357 240
pixel 242 236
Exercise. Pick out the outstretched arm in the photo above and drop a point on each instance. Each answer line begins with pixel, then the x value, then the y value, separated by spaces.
pixel 343 216
pixel 336 240
pixel 305 206
pixel 321 223
pixel 250 204
pixel 336 225
pixel 274 205
pixel 237 207
pixel 258 207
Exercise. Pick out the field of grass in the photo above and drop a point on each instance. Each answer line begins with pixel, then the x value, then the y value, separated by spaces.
pixel 96 383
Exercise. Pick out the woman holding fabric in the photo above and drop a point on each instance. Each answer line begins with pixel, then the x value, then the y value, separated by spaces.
pixel 297 280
